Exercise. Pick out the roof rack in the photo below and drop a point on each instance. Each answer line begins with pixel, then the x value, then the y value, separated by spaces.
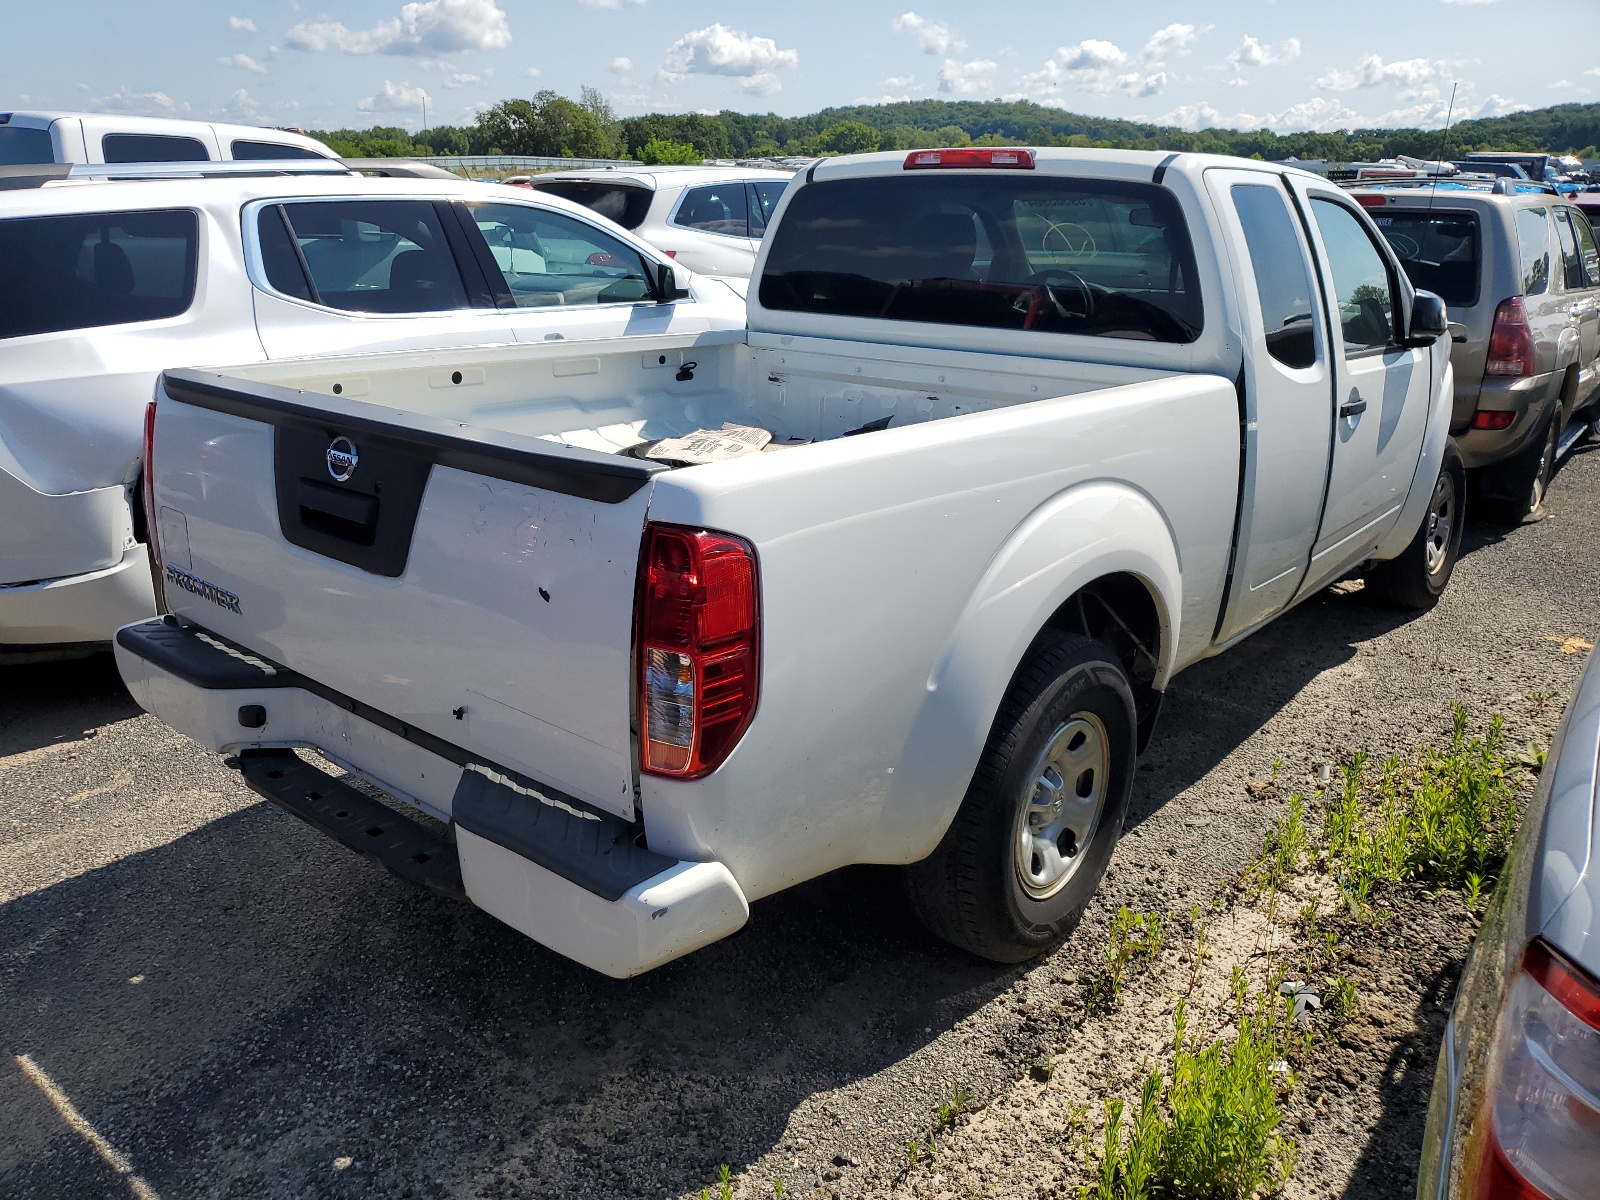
pixel 31 175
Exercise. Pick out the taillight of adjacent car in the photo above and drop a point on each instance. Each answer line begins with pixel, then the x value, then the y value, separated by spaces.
pixel 148 489
pixel 1510 341
pixel 1537 1135
pixel 697 642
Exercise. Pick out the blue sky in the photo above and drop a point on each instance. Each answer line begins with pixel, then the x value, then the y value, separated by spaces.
pixel 1251 63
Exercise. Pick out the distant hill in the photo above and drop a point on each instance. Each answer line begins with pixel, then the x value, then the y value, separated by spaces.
pixel 552 125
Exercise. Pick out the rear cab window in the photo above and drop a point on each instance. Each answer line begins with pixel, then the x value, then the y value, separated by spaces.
pixel 1100 258
pixel 88 271
pixel 1439 250
pixel 152 147
pixel 21 146
pixel 268 150
pixel 626 204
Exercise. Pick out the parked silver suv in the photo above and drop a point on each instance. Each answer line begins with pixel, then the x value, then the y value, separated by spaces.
pixel 1520 271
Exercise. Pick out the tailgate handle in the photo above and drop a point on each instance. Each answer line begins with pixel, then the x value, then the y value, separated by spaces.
pixel 349 516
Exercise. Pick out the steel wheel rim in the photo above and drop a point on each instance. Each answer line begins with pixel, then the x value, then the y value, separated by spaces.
pixel 1441 521
pixel 1061 811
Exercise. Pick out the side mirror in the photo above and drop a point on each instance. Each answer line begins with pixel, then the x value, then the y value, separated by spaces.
pixel 667 287
pixel 1430 319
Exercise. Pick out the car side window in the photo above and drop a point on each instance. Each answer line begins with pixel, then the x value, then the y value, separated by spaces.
pixel 718 208
pixel 1283 283
pixel 1573 276
pixel 764 197
pixel 151 147
pixel 1588 252
pixel 258 150
pixel 379 256
pixel 90 270
pixel 1361 281
pixel 1533 238
pixel 547 258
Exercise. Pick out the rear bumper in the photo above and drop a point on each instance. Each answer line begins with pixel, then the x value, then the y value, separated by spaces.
pixel 1531 399
pixel 78 608
pixel 571 879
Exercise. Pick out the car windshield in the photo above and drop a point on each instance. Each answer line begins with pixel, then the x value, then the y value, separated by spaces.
pixel 1439 250
pixel 1095 257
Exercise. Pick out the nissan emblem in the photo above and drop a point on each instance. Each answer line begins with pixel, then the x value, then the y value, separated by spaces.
pixel 342 459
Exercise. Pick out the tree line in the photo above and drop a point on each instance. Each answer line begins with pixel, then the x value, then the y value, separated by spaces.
pixel 555 126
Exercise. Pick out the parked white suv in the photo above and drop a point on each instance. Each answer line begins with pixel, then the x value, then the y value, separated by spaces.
pixel 711 219
pixel 66 137
pixel 104 284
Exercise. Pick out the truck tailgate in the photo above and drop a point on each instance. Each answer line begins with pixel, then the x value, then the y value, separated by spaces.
pixel 480 590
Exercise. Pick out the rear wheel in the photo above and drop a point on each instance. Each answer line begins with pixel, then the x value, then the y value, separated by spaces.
pixel 1518 488
pixel 1036 830
pixel 1418 577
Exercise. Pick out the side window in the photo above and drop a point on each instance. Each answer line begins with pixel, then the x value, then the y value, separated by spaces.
pixel 1587 250
pixel 382 256
pixel 22 146
pixel 720 208
pixel 1277 257
pixel 549 258
pixel 1533 237
pixel 1360 278
pixel 255 150
pixel 764 197
pixel 151 147
pixel 87 271
pixel 1573 276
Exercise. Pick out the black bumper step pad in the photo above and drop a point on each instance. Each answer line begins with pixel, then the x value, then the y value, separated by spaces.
pixel 202 658
pixel 405 847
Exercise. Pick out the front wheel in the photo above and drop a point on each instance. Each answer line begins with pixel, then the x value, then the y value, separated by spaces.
pixel 1418 577
pixel 1035 832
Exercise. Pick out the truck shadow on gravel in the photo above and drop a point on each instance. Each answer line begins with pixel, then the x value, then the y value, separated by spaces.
pixel 249 1010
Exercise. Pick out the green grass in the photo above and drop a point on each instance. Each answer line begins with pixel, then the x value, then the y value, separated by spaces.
pixel 1135 939
pixel 952 1109
pixel 1211 1132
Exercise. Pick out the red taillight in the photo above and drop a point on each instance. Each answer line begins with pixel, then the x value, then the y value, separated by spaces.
pixel 671 253
pixel 1493 418
pixel 697 647
pixel 1372 200
pixel 149 498
pixel 1004 158
pixel 1511 341
pixel 1538 1131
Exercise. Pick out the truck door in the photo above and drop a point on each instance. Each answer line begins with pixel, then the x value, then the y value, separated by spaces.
pixel 1287 395
pixel 1381 388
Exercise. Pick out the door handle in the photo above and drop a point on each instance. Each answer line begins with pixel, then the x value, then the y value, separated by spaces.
pixel 1352 407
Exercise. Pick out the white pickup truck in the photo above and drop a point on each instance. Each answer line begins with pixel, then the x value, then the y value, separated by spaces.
pixel 1111 413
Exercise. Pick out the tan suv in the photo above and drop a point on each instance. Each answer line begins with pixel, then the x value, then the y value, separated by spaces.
pixel 1519 268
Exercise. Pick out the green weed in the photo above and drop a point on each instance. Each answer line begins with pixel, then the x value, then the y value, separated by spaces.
pixel 1212 1132
pixel 1444 819
pixel 1135 939
pixel 953 1109
pixel 1339 999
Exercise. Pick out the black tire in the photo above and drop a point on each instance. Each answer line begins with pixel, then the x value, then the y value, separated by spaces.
pixel 1418 577
pixel 970 891
pixel 1516 490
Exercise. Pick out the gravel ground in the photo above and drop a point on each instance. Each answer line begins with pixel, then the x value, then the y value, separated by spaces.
pixel 238 1007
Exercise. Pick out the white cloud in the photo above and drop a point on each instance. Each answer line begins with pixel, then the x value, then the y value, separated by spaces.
pixel 242 60
pixel 532 72
pixel 1412 75
pixel 609 4
pixel 1140 83
pixel 396 97
pixel 901 83
pixel 934 37
pixel 461 79
pixel 147 104
pixel 1251 52
pixel 423 27
pixel 966 77
pixel 242 106
pixel 244 23
pixel 1099 66
pixel 622 65
pixel 1171 41
pixel 1319 115
pixel 718 50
